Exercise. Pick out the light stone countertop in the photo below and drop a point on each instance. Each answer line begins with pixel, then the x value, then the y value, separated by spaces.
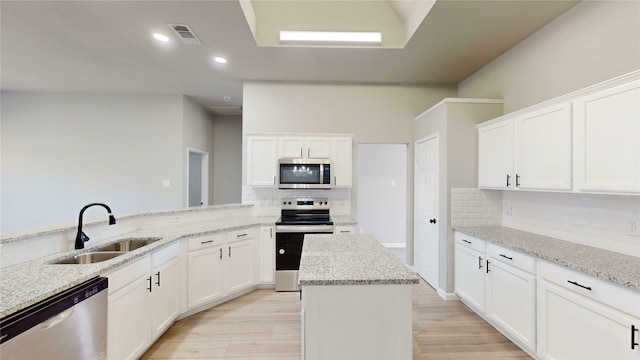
pixel 607 265
pixel 27 283
pixel 349 259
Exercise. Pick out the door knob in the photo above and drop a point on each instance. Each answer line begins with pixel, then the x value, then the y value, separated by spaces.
pixel 433 221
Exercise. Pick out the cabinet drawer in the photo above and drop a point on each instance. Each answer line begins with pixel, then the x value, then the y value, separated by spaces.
pixel 243 234
pixel 603 291
pixel 344 229
pixel 512 257
pixel 202 242
pixel 470 241
pixel 129 273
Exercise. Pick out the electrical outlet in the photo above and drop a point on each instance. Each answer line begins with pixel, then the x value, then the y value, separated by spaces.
pixel 634 228
pixel 508 210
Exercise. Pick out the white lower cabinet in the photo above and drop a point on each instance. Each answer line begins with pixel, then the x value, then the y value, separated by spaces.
pixel 143 302
pixel 238 269
pixel 546 309
pixel 470 262
pixel 204 269
pixel 511 294
pixel 580 317
pixel 219 265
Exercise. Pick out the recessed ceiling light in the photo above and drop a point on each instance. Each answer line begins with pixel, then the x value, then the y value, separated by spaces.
pixel 161 37
pixel 330 37
pixel 220 60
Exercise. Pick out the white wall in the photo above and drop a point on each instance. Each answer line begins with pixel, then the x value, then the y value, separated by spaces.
pixel 227 160
pixel 198 133
pixel 62 151
pixel 382 192
pixel 591 42
pixel 374 114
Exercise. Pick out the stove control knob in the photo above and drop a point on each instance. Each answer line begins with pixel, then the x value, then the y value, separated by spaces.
pixel 284 203
pixel 281 251
pixel 289 202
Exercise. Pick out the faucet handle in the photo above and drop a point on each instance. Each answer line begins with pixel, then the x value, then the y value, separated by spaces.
pixel 85 238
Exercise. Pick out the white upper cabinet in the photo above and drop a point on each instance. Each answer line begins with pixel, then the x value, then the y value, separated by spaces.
pixel 495 155
pixel 264 151
pixel 341 162
pixel 543 149
pixel 587 141
pixel 607 140
pixel 304 147
pixel 262 160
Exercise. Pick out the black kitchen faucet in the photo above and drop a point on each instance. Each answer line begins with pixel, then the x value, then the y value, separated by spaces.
pixel 81 237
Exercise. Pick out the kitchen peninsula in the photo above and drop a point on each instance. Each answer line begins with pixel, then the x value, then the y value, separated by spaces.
pixel 356 299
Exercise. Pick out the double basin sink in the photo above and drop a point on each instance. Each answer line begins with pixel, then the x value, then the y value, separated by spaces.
pixel 107 252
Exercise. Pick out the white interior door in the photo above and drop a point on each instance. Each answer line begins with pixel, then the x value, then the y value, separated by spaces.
pixel 426 234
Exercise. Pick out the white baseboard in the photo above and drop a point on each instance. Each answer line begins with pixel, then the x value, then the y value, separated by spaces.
pixel 447 296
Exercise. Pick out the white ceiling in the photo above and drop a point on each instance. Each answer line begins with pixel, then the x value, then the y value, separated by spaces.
pixel 106 47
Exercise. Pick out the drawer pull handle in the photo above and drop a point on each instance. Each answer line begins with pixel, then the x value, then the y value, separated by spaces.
pixel 580 285
pixel 479 262
pixel 220 253
pixel 633 337
pixel 506 257
pixel 242 235
pixel 158 275
pixel 344 231
pixel 150 282
pixel 466 241
pixel 206 242
pixel 229 251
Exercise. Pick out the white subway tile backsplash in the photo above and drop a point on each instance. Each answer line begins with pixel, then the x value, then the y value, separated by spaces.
pixel 595 220
pixel 474 207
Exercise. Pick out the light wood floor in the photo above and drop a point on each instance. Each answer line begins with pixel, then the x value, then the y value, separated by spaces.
pixel 265 325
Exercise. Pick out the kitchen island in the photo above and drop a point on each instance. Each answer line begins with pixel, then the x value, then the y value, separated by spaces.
pixel 356 299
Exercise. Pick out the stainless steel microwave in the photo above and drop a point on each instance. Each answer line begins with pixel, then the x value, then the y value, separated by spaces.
pixel 298 173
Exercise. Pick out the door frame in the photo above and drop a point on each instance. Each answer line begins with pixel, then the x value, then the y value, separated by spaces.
pixel 436 266
pixel 204 180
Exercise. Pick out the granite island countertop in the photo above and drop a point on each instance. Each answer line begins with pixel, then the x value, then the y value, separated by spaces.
pixel 350 259
pixel 617 268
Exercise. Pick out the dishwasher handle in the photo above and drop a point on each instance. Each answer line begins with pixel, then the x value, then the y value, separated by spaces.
pixel 57 319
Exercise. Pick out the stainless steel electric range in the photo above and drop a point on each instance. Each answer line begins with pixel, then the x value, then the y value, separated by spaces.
pixel 299 216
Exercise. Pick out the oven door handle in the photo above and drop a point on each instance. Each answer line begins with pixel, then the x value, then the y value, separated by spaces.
pixel 304 229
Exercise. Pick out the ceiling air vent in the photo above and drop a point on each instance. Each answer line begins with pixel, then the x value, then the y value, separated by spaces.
pixel 226 110
pixel 186 35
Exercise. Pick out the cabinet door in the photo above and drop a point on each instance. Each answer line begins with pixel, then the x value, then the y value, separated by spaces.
pixel 469 276
pixel 341 162
pixel 267 255
pixel 495 155
pixel 511 297
pixel 205 274
pixel 291 147
pixel 164 297
pixel 239 267
pixel 318 148
pixel 607 140
pixel 571 326
pixel 129 333
pixel 262 161
pixel 543 149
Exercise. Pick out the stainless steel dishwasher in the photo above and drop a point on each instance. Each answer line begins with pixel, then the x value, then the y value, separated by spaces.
pixel 69 325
